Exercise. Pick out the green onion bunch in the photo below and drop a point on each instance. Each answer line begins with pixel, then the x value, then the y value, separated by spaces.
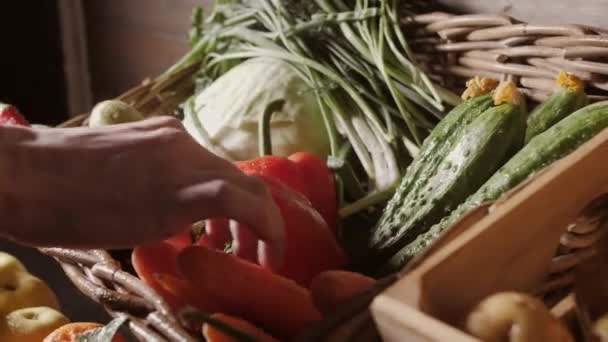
pixel 377 103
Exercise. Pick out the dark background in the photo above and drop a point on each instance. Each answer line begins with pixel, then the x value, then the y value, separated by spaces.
pixel 31 60
pixel 32 78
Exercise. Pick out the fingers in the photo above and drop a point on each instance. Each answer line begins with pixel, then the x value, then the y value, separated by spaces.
pixel 218 233
pixel 270 256
pixel 157 131
pixel 245 243
pixel 242 199
pixel 154 123
pixel 165 130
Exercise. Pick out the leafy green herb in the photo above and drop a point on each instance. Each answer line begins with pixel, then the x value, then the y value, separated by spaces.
pixel 367 82
pixel 196 31
pixel 103 334
pixel 198 230
pixel 228 247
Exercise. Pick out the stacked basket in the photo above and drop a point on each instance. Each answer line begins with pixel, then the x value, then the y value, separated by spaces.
pixel 458 47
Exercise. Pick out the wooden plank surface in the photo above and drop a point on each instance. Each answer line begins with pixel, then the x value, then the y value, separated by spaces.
pixel 590 12
pixel 130 40
pixel 75 56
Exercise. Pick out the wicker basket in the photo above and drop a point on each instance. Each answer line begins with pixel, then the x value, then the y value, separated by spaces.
pixel 456 47
pixel 451 48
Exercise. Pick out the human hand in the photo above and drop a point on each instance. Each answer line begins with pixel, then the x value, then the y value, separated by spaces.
pixel 125 185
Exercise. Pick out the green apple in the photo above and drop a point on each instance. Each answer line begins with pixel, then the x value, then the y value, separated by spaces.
pixel 31 324
pixel 10 263
pixel 20 289
pixel 113 112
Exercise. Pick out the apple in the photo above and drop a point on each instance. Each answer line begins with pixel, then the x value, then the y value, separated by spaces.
pixel 10 263
pixel 19 289
pixel 30 324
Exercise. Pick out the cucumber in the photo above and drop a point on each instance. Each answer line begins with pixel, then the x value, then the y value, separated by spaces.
pixel 478 99
pixel 567 98
pixel 544 149
pixel 460 167
pixel 452 125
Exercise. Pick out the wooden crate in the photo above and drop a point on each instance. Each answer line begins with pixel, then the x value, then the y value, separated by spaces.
pixel 511 249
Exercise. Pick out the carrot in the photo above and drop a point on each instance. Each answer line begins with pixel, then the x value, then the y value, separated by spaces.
pixel 156 265
pixel 332 288
pixel 158 258
pixel 241 288
pixel 185 290
pixel 213 334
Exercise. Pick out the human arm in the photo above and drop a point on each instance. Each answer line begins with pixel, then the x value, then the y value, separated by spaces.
pixel 120 186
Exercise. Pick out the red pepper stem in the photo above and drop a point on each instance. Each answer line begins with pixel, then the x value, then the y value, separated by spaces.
pixel 265 141
pixel 366 202
pixel 347 175
pixel 351 183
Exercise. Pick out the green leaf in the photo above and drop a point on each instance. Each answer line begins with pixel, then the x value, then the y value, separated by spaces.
pixel 196 32
pixel 103 334
pixel 228 247
pixel 198 230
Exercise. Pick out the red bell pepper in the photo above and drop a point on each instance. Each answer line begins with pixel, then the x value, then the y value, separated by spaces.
pixel 10 116
pixel 181 240
pixel 156 265
pixel 303 172
pixel 311 247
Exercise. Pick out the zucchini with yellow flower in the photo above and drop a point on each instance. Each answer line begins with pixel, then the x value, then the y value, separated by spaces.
pixel 482 141
pixel 568 97
pixel 545 148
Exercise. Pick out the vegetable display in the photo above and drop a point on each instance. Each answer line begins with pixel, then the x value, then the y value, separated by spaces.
pixel 311 245
pixel 542 150
pixel 249 291
pixel 487 136
pixel 325 102
pixel 476 153
pixel 224 116
pixel 351 59
pixel 10 115
pixel 569 96
pixel 303 172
